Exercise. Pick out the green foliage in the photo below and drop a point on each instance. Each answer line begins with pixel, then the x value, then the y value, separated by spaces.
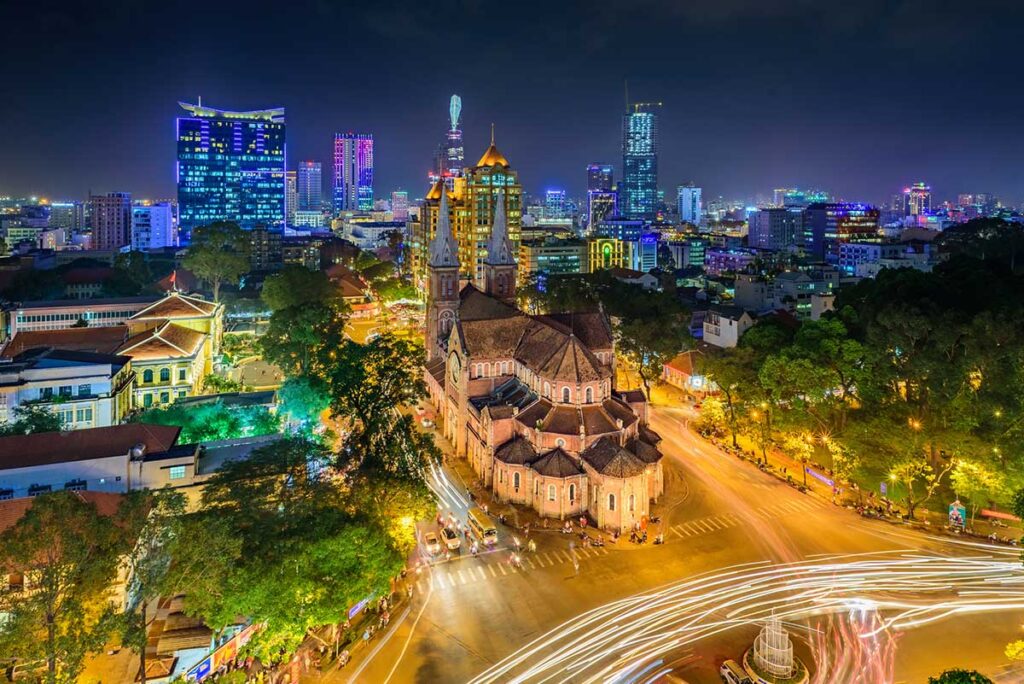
pixel 301 400
pixel 131 276
pixel 986 238
pixel 219 254
pixel 71 554
pixel 32 284
pixel 297 286
pixel 218 384
pixel 301 340
pixel 213 421
pixel 647 344
pixel 958 676
pixel 32 418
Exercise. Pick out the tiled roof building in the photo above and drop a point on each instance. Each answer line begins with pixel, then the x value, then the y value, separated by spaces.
pixel 531 401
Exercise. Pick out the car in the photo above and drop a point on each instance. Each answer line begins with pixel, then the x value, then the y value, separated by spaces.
pixel 451 539
pixel 430 541
pixel 427 423
pixel 732 673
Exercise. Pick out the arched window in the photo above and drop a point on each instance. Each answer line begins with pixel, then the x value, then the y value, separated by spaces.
pixel 147 375
pixel 590 395
pixel 611 502
pixel 165 375
pixel 566 395
pixel 572 493
pixel 487 369
pixel 547 389
pixel 515 480
pixel 551 492
pixel 632 503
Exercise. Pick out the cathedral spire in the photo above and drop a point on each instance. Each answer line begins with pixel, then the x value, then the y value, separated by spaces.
pixel 499 249
pixel 443 251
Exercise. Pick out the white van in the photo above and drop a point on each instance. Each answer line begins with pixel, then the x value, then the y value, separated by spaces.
pixel 732 673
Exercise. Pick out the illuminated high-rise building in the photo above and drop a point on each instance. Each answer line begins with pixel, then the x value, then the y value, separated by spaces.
pixel 153 227
pixel 554 204
pixel 310 186
pixel 827 224
pixel 291 196
pixel 400 205
pixel 601 205
pixel 638 190
pixel 111 219
pixel 600 177
pixel 231 166
pixel 688 204
pixel 353 172
pixel 917 200
pixel 471 207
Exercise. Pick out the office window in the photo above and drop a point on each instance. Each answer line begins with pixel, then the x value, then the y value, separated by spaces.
pixel 76 486
pixel 46 393
pixel 176 472
pixel 85 390
pixel 65 390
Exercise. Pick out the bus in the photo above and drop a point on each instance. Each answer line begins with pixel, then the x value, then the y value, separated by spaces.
pixel 482 526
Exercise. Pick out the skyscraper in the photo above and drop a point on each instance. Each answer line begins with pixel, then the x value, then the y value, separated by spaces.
pixel 917 200
pixel 111 217
pixel 638 190
pixel 291 196
pixel 400 205
pixel 554 204
pixel 231 166
pixel 153 227
pixel 774 228
pixel 688 204
pixel 601 204
pixel 353 172
pixel 310 186
pixel 600 177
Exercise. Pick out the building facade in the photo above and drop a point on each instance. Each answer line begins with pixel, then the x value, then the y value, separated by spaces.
pixel 353 172
pixel 154 227
pixel 827 225
pixel 531 401
pixel 310 186
pixel 552 257
pixel 111 218
pixel 600 177
pixel 688 204
pixel 774 228
pixel 231 167
pixel 638 190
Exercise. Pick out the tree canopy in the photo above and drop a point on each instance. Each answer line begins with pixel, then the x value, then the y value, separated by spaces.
pixel 219 254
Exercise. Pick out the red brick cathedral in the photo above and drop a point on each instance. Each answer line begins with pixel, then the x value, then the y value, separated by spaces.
pixel 530 401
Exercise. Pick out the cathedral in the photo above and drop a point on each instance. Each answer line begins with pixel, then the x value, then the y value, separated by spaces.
pixel 530 401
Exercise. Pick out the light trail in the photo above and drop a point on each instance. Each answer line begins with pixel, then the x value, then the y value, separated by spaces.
pixel 623 641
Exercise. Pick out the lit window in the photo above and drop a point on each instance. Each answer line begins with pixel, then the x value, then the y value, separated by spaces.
pixel 611 502
pixel 515 480
pixel 551 492
pixel 176 472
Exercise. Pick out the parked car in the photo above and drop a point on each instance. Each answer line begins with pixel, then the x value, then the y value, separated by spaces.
pixel 427 423
pixel 432 544
pixel 732 673
pixel 451 539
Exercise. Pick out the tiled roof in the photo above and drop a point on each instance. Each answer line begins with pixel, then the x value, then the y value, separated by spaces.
pixel 11 510
pixel 47 357
pixel 168 341
pixel 570 361
pixel 474 305
pixel 591 327
pixel 683 362
pixel 99 340
pixel 632 396
pixel 649 435
pixel 557 463
pixel 516 451
pixel 608 458
pixel 46 448
pixel 492 338
pixel 644 451
pixel 177 305
pixel 436 369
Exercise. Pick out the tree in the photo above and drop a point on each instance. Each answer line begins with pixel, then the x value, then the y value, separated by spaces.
pixel 303 399
pixel 302 340
pixel 70 554
pixel 131 275
pixel 800 447
pixel 912 470
pixel 32 418
pixel 297 286
pixel 976 482
pixel 734 373
pixel 1015 650
pixel 648 344
pixel 305 553
pixel 958 676
pixel 219 254
pixel 153 519
pixel 213 421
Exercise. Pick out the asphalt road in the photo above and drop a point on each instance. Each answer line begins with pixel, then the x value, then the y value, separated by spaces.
pixel 480 618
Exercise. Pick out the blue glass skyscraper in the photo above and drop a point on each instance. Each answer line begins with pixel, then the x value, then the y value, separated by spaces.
pixel 231 167
pixel 638 190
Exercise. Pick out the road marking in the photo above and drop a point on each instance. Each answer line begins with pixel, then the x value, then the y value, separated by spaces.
pixel 678 533
pixel 724 522
pixel 568 556
pixel 419 586
pixel 502 568
pixel 532 566
pixel 491 568
pixel 461 577
pixel 713 523
pixel 585 552
pixel 483 575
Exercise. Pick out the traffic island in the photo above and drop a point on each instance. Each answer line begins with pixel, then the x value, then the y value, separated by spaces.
pixel 771 661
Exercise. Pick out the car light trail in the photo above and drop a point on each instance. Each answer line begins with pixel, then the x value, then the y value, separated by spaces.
pixel 879 593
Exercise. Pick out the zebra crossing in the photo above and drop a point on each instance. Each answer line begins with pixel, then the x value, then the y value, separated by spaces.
pixel 723 521
pixel 459 574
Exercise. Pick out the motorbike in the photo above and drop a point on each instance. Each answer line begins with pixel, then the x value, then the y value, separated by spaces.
pixel 597 541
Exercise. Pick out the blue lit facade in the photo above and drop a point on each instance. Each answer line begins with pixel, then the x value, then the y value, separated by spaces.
pixel 231 167
pixel 638 190
pixel 828 224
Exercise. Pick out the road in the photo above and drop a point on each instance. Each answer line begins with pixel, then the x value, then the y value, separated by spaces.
pixel 736 539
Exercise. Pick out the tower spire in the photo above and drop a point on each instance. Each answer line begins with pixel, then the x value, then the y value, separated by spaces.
pixel 499 249
pixel 442 248
pixel 492 133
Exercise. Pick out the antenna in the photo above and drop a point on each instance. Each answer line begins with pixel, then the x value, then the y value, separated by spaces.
pixel 492 133
pixel 200 100
pixel 625 85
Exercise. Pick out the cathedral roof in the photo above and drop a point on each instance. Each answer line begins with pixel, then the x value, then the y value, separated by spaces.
pixel 557 463
pixel 516 451
pixel 566 419
pixel 492 157
pixel 591 327
pixel 436 190
pixel 475 305
pixel 644 451
pixel 607 457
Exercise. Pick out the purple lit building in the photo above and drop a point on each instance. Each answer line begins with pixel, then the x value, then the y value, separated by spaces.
pixel 353 172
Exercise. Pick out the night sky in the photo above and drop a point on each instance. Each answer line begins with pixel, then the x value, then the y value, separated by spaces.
pixel 859 98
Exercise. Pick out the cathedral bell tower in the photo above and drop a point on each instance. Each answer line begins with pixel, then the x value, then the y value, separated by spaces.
pixel 499 273
pixel 442 284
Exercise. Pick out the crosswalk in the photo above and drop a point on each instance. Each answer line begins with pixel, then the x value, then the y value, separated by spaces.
pixel 723 521
pixel 460 574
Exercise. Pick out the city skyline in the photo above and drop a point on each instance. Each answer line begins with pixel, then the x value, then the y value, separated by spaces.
pixel 737 123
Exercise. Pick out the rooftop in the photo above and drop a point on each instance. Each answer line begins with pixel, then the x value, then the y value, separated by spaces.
pixel 48 448
pixel 97 340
